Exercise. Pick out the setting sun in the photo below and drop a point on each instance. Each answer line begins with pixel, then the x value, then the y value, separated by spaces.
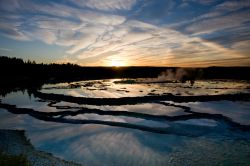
pixel 117 63
pixel 125 82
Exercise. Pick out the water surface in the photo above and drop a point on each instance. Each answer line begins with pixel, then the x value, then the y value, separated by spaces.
pixel 147 133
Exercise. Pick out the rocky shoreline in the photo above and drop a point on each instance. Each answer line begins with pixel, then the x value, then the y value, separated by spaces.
pixel 14 142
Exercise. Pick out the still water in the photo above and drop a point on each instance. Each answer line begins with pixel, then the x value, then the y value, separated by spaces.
pixel 131 134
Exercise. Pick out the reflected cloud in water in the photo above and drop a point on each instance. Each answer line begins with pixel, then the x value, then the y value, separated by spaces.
pixel 91 144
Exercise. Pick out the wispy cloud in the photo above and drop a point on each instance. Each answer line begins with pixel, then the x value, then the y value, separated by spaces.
pixel 242 46
pixel 5 49
pixel 149 43
pixel 139 32
pixel 203 2
pixel 13 32
pixel 233 5
pixel 218 23
pixel 106 5
pixel 225 23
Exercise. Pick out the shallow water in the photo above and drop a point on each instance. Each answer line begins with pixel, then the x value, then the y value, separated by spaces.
pixel 202 139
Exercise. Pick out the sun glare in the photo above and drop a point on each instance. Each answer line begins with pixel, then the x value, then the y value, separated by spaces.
pixel 117 63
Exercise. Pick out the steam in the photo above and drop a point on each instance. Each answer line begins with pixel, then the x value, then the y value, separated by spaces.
pixel 177 75
pixel 172 75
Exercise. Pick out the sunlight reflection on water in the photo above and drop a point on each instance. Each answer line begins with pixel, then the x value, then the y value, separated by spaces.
pixel 93 144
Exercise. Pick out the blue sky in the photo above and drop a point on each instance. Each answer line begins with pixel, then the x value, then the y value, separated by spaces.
pixel 127 32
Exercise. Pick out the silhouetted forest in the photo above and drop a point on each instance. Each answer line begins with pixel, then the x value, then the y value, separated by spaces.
pixel 16 72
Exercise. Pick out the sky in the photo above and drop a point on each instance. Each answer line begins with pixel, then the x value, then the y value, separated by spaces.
pixel 188 33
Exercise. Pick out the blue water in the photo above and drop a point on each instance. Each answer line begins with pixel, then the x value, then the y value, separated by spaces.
pixel 194 141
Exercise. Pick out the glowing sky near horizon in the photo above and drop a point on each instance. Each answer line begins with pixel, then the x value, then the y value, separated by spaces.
pixel 127 32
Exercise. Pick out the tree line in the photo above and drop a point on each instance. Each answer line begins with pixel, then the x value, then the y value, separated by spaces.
pixel 17 72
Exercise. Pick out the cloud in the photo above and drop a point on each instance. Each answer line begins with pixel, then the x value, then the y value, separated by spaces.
pixel 139 32
pixel 32 7
pixel 5 49
pixel 233 5
pixel 12 5
pixel 12 31
pixel 202 2
pixel 96 60
pixel 154 11
pixel 47 36
pixel 227 14
pixel 53 23
pixel 242 46
pixel 100 18
pixel 106 5
pixel 145 43
pixel 86 41
pixel 224 23
pixel 59 29
pixel 212 24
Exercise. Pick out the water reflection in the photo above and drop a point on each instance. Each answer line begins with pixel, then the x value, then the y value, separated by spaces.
pixel 237 111
pixel 115 90
pixel 196 132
